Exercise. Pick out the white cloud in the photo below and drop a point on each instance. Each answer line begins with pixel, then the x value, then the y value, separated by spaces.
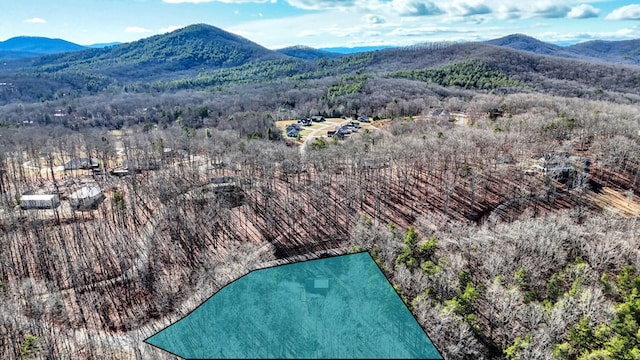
pixel 466 9
pixel 321 4
pixel 573 37
pixel 308 33
pixel 243 33
pixel 508 12
pixel 626 33
pixel 171 28
pixel 583 11
pixel 629 12
pixel 208 1
pixel 550 11
pixel 395 22
pixel 187 1
pixel 136 30
pixel 416 7
pixel 35 20
pixel 374 19
pixel 429 30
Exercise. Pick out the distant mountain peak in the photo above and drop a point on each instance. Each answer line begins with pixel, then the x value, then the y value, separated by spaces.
pixel 308 53
pixel 624 52
pixel 33 46
pixel 206 31
pixel 190 49
pixel 522 42
pixel 298 47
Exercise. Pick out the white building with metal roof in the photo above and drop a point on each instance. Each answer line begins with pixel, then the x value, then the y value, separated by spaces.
pixel 86 197
pixel 46 201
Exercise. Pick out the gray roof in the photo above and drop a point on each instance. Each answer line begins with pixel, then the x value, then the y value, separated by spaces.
pixel 86 192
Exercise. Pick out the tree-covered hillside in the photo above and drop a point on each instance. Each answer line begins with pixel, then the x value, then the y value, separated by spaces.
pixel 203 57
pixel 471 74
pixel 192 49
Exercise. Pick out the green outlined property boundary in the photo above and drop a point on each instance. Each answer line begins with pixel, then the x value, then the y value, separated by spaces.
pixel 333 307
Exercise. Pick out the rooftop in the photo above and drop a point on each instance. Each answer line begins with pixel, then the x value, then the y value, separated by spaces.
pixel 38 197
pixel 86 192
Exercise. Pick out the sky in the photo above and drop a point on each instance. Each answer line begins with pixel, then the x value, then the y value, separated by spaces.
pixel 324 23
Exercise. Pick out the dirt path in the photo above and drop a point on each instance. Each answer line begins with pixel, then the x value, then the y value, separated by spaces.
pixel 314 133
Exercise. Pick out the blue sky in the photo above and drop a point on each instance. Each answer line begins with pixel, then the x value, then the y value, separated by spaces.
pixel 324 23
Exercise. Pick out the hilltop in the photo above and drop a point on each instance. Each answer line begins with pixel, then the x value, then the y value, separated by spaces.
pixel 190 49
pixel 619 52
pixel 33 46
pixel 308 53
pixel 531 44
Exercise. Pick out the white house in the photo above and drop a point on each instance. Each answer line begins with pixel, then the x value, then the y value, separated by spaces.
pixel 48 201
pixel 86 197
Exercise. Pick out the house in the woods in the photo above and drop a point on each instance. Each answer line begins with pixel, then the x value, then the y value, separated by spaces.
pixel 441 115
pixel 81 164
pixel 43 201
pixel 305 121
pixel 494 113
pixel 556 165
pixel 317 118
pixel 86 198
pixel 120 172
pixel 345 129
pixel 364 119
pixel 139 164
pixel 227 191
pixel 569 170
pixel 223 183
pixel 293 130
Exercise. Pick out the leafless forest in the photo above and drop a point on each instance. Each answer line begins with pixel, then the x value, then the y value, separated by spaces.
pixel 497 256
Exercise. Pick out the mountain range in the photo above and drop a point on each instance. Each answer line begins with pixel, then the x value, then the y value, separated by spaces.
pixel 624 52
pixel 203 56
pixel 30 46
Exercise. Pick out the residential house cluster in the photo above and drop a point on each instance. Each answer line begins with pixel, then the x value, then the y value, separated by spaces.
pixel 344 130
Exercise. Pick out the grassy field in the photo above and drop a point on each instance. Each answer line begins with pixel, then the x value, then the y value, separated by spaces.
pixel 323 127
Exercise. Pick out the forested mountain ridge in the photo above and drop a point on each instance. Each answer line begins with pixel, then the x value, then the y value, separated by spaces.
pixel 531 44
pixel 200 57
pixel 34 46
pixel 193 48
pixel 52 77
pixel 617 52
pixel 627 51
pixel 553 74
pixel 308 53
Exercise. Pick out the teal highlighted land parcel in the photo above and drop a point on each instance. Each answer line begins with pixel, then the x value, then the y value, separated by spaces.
pixel 338 307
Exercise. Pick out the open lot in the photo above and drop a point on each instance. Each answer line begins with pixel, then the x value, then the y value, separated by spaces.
pixel 319 129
